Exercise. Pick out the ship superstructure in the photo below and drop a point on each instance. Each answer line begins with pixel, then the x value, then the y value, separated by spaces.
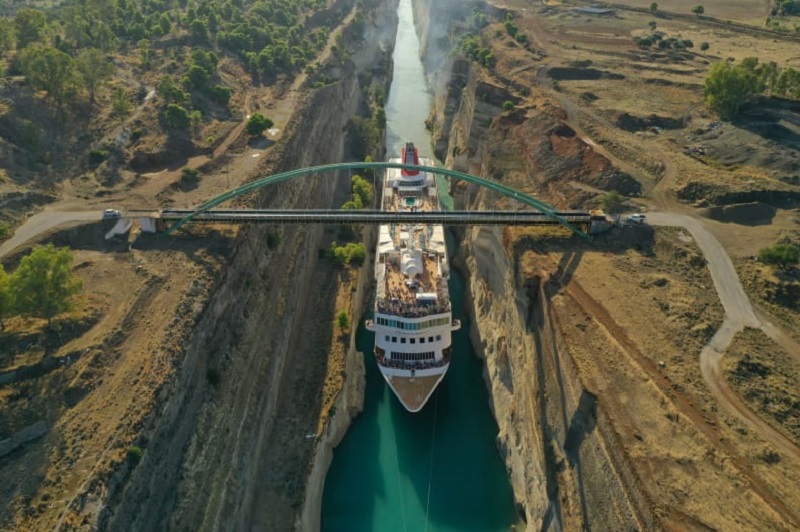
pixel 413 315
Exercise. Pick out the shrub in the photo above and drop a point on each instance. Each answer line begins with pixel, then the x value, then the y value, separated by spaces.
pixel 783 256
pixel 134 455
pixel 257 123
pixel 343 320
pixel 221 94
pixel 350 253
pixel 97 156
pixel 177 117
pixel 704 46
pixel 508 105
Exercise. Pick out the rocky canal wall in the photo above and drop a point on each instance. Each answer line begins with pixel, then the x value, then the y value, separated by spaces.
pixel 230 447
pixel 564 463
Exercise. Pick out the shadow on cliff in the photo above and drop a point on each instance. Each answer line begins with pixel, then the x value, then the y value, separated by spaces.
pixel 619 240
pixel 549 432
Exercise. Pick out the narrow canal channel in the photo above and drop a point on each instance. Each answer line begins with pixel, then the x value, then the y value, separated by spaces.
pixel 437 470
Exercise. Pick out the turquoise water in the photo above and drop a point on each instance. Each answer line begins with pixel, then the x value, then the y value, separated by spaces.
pixel 437 470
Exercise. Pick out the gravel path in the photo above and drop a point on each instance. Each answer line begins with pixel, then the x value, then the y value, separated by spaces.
pixel 739 314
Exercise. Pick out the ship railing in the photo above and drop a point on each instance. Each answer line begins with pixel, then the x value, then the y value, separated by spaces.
pixel 411 310
pixel 380 358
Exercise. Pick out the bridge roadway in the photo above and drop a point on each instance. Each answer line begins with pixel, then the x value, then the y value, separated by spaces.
pixel 370 216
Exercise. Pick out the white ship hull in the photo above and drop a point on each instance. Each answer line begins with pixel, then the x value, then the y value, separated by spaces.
pixel 413 316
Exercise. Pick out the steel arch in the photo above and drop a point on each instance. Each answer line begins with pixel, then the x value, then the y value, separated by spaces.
pixel 291 174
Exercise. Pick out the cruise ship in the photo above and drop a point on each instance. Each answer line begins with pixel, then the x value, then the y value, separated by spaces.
pixel 413 315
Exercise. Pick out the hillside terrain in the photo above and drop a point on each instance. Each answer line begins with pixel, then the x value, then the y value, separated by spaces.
pixel 644 405
pixel 88 399
pixel 168 396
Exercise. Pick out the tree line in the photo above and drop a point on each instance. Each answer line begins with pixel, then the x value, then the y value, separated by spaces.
pixel 728 87
pixel 69 49
pixel 42 286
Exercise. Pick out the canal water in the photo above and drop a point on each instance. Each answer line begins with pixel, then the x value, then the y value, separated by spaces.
pixel 437 470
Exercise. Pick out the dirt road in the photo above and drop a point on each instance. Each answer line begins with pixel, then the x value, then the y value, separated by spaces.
pixel 739 313
pixel 43 222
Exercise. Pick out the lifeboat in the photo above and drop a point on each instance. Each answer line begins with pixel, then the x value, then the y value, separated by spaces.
pixel 410 156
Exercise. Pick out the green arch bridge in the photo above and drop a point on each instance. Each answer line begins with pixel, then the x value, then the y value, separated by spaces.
pixel 546 210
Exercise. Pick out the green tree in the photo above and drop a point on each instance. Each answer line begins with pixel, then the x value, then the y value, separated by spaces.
pixel 612 202
pixel 177 117
pixel 44 283
pixel 145 53
pixel 31 25
pixel 704 46
pixel 170 91
pixel 49 69
pixel 783 256
pixel 8 35
pixel 727 88
pixel 362 190
pixel 6 297
pixel 199 30
pixel 350 253
pixel 698 10
pixel 654 8
pixel 95 69
pixel 653 25
pixel 257 123
pixel 343 320
pixel 120 102
pixel 788 83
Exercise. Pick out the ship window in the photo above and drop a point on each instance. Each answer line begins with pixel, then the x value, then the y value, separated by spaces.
pixel 438 337
pixel 402 340
pixel 387 337
pixel 413 340
pixel 394 339
pixel 430 338
pixel 422 340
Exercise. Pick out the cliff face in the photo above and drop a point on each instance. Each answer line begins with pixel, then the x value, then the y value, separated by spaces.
pixel 230 448
pixel 553 436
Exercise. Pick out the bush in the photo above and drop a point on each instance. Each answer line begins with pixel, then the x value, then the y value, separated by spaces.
pixel 783 256
pixel 97 156
pixel 343 320
pixel 507 105
pixel 704 46
pixel 134 455
pixel 350 253
pixel 257 123
pixel 189 173
pixel 177 117
pixel 221 94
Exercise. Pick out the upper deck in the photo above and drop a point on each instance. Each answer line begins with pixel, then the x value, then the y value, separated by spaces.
pixel 411 267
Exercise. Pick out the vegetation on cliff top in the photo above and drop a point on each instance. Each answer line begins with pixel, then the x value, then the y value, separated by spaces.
pixel 42 286
pixel 93 61
pixel 728 87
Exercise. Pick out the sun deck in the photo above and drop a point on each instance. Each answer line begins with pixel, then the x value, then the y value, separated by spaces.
pixel 412 257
